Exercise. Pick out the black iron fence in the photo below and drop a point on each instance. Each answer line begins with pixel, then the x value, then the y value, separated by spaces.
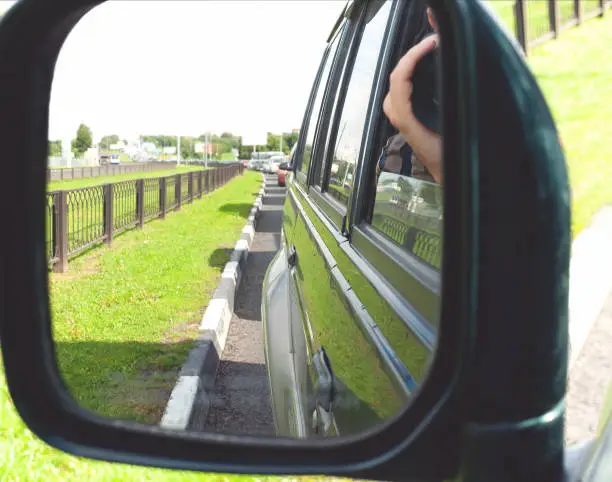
pixel 423 243
pixel 70 173
pixel 536 21
pixel 79 218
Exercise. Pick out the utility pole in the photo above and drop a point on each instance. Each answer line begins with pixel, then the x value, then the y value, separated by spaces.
pixel 206 150
pixel 281 142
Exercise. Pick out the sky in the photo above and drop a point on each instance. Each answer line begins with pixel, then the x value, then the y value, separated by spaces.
pixel 187 67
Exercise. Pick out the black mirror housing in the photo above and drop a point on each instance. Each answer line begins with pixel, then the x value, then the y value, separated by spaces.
pixel 473 412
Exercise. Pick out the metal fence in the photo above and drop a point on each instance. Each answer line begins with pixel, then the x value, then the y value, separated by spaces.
pixel 70 173
pixel 420 242
pixel 80 218
pixel 537 21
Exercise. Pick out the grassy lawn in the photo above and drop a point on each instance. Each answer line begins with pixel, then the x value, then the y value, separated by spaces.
pixel 575 74
pixel 94 181
pixel 227 156
pixel 124 318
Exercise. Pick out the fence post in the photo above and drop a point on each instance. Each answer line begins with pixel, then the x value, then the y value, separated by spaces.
pixel 108 214
pixel 162 197
pixel 140 202
pixel 520 15
pixel 177 191
pixel 200 173
pixel 554 17
pixel 190 186
pixel 61 232
pixel 578 11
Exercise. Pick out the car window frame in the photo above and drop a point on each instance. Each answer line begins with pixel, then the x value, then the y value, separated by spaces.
pixel 335 211
pixel 376 257
pixel 380 253
pixel 340 34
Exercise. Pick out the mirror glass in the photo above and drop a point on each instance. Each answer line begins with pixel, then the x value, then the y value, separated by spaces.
pixel 190 278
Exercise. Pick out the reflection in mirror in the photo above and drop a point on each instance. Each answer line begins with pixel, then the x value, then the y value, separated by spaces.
pixel 181 295
pixel 409 212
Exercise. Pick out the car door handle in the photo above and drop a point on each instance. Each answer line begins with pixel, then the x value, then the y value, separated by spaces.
pixel 291 256
pixel 324 380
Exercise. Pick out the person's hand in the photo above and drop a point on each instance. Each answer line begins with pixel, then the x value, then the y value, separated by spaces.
pixel 426 144
pixel 397 104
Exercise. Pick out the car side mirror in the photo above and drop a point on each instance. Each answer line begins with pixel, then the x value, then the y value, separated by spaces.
pixel 491 404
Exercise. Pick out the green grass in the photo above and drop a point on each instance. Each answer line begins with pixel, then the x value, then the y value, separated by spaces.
pixel 228 156
pixel 124 318
pixel 24 457
pixel 95 181
pixel 575 74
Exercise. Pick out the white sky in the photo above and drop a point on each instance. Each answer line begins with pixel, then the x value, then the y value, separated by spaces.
pixel 185 67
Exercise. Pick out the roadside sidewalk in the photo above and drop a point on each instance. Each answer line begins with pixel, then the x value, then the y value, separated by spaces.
pixel 590 281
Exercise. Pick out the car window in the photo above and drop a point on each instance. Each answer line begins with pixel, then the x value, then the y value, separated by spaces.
pixel 355 106
pixel 316 107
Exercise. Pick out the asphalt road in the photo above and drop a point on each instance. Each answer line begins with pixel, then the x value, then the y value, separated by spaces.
pixel 240 402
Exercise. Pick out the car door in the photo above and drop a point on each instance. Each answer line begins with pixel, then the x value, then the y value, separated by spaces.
pixel 350 313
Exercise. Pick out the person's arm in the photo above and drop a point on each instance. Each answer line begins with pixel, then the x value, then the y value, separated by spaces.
pixel 426 144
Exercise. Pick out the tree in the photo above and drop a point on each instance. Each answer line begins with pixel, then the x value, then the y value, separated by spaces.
pixel 83 140
pixel 106 141
pixel 289 139
pixel 55 148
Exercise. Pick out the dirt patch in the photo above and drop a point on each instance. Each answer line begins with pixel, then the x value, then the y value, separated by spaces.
pixel 76 271
pixel 181 331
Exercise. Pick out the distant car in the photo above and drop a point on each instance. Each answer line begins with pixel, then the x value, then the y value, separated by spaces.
pixel 255 164
pixel 114 159
pixel 274 162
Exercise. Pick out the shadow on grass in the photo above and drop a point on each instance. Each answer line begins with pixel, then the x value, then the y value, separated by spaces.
pixel 219 257
pixel 124 380
pixel 242 209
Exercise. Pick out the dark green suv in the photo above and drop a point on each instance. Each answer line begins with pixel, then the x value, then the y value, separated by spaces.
pixel 351 301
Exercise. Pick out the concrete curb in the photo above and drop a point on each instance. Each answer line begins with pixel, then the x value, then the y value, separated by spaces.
pixel 590 282
pixel 197 376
